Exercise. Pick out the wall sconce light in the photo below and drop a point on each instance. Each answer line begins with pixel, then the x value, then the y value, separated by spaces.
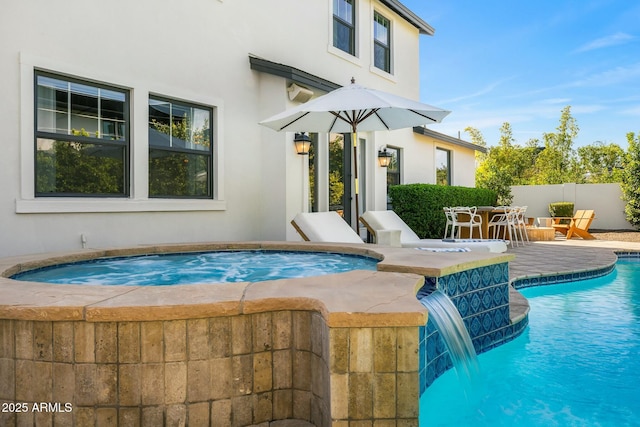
pixel 302 143
pixel 384 158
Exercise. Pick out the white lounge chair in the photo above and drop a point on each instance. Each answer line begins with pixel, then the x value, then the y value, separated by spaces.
pixel 329 227
pixel 324 227
pixel 389 220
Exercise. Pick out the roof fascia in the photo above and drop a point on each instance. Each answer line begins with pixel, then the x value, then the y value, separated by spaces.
pixel 409 16
pixel 291 73
pixel 446 138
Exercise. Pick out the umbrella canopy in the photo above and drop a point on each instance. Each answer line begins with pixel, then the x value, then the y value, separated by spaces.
pixel 355 108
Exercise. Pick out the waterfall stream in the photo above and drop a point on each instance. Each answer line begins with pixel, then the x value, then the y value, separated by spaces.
pixel 449 323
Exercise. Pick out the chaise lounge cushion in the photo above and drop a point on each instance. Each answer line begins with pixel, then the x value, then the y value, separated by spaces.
pixel 324 227
pixel 389 220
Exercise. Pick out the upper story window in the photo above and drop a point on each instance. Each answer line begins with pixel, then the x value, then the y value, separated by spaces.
pixel 381 42
pixel 443 166
pixel 82 138
pixel 180 149
pixel 344 25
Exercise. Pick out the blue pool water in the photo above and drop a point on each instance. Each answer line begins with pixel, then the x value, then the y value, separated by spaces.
pixel 577 363
pixel 206 267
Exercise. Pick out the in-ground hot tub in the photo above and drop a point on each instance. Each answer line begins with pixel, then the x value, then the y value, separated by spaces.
pixel 212 267
pixel 321 349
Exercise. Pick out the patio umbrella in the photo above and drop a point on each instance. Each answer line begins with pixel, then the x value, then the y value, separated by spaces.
pixel 355 108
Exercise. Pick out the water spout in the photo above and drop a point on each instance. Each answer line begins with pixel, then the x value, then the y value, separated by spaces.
pixel 449 323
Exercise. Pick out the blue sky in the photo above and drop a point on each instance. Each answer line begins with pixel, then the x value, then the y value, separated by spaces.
pixel 496 61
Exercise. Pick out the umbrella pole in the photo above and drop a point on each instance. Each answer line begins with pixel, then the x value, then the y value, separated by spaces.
pixel 354 136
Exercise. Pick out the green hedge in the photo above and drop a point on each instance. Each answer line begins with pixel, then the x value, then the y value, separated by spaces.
pixel 420 205
pixel 561 209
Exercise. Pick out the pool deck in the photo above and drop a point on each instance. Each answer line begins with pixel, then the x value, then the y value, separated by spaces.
pixel 557 257
pixel 564 256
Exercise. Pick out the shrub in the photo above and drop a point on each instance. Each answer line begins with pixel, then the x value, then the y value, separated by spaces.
pixel 561 209
pixel 420 205
pixel 631 180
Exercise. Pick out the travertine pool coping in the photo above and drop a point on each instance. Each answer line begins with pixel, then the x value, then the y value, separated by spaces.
pixel 355 299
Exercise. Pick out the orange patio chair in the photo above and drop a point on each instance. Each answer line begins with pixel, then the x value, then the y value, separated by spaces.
pixel 578 225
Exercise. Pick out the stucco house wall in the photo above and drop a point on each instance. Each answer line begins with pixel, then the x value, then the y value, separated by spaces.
pixel 197 52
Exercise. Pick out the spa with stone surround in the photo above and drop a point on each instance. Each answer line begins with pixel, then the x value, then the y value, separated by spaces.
pixel 328 350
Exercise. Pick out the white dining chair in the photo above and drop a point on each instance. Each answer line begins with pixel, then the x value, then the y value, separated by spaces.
pixel 503 223
pixel 472 220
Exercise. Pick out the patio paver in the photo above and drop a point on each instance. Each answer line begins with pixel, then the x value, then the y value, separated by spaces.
pixel 564 256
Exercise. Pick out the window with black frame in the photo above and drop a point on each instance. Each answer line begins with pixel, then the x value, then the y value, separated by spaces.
pixel 443 166
pixel 381 42
pixel 180 149
pixel 81 138
pixel 344 26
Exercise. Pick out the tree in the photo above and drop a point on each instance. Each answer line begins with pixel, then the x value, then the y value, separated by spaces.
pixel 478 139
pixel 496 171
pixel 631 180
pixel 557 163
pixel 601 163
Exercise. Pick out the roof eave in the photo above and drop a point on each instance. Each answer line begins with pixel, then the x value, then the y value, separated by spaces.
pixel 409 16
pixel 449 139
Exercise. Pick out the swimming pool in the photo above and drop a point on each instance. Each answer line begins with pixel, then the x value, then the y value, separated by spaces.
pixel 577 364
pixel 203 267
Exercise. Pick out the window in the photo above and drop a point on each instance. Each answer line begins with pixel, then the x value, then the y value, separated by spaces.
pixel 443 166
pixel 381 42
pixel 81 138
pixel 344 26
pixel 393 171
pixel 180 149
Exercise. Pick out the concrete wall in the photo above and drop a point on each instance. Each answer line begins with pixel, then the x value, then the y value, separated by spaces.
pixel 604 199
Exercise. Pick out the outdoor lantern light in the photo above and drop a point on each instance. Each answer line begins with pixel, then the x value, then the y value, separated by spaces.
pixel 303 143
pixel 384 158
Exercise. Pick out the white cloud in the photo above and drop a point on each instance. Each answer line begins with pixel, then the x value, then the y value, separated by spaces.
pixel 485 90
pixel 603 42
pixel 610 77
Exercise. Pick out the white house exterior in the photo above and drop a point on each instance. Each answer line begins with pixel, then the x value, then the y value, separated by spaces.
pixel 91 77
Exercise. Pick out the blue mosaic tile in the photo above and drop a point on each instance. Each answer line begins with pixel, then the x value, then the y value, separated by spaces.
pixel 627 254
pixel 463 305
pixel 441 364
pixel 475 328
pixel 487 322
pixel 475 302
pixel 487 277
pixel 431 328
pixel 422 333
pixel 431 349
pixel 487 298
pixel 501 295
pixel 440 345
pixel 505 273
pixel 464 282
pixel 475 279
pixel 497 273
pixel 452 285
